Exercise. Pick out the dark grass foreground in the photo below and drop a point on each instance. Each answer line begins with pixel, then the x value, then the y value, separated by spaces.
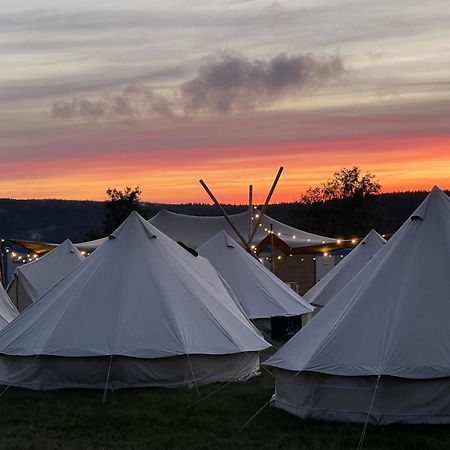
pixel 160 418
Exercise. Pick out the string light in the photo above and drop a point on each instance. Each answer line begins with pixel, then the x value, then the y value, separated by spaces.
pixel 353 241
pixel 279 257
pixel 338 241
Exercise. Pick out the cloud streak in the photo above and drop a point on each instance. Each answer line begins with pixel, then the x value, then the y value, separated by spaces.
pixel 133 103
pixel 225 82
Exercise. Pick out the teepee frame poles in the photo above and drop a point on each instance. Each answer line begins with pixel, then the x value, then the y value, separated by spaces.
pixel 252 233
pixel 263 209
pixel 227 218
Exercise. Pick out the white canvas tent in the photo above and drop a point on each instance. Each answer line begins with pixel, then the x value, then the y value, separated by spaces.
pixel 196 230
pixel 385 336
pixel 32 280
pixel 8 311
pixel 340 275
pixel 261 293
pixel 136 312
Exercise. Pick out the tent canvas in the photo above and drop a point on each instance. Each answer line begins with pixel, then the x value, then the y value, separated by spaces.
pixel 261 293
pixel 141 303
pixel 196 230
pixel 32 280
pixel 323 291
pixel 8 311
pixel 390 320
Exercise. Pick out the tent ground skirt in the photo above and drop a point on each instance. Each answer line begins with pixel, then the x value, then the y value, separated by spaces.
pixel 348 399
pixel 57 372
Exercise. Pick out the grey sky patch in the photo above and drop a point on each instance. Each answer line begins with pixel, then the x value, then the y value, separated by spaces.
pixel 231 81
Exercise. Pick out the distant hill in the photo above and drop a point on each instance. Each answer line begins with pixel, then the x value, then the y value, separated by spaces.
pixel 56 220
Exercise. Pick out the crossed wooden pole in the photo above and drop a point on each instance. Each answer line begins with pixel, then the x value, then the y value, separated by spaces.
pixel 247 242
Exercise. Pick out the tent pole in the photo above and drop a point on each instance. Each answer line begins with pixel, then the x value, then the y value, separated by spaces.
pixel 263 209
pixel 250 210
pixel 17 290
pixel 225 215
pixel 2 267
pixel 272 257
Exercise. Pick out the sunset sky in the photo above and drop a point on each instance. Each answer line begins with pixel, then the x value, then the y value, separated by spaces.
pixel 98 94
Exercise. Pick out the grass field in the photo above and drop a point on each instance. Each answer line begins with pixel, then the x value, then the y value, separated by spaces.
pixel 161 418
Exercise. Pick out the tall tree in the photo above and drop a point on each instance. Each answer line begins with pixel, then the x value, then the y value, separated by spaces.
pixel 345 184
pixel 119 205
pixel 344 204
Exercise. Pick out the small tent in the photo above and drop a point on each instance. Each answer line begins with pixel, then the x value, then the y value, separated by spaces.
pixel 8 311
pixel 260 293
pixel 135 313
pixel 380 350
pixel 32 280
pixel 340 275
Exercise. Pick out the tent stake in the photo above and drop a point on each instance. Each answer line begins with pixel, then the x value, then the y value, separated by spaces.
pixel 193 375
pixel 107 380
pixel 363 434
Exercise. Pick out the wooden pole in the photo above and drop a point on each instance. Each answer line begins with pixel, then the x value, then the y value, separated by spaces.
pixel 2 268
pixel 225 215
pixel 263 210
pixel 272 257
pixel 250 210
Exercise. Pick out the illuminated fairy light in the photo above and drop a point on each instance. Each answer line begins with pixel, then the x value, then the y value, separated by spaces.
pixel 325 254
pixel 353 241
pixel 279 257
pixel 338 241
